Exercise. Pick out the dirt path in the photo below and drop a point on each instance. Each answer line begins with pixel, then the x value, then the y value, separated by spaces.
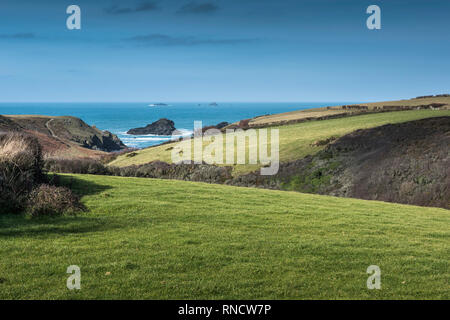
pixel 49 129
pixel 47 125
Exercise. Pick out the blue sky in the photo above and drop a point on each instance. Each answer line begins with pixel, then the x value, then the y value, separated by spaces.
pixel 223 50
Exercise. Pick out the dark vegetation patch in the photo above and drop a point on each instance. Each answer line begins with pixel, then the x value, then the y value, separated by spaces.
pixel 131 154
pixel 7 124
pixel 22 179
pixel 156 169
pixel 79 166
pixel 323 142
pixel 49 200
pixel 405 163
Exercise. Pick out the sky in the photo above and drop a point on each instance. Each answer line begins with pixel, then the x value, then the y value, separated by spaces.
pixel 223 50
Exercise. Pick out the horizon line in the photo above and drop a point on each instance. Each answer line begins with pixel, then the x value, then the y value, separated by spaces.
pixel 217 101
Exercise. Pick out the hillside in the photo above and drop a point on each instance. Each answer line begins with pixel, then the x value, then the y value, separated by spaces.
pixel 296 140
pixel 65 136
pixel 436 102
pixel 405 162
pixel 165 239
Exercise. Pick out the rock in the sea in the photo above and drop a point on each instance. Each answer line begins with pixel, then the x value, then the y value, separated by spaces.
pixel 222 125
pixel 218 126
pixel 162 127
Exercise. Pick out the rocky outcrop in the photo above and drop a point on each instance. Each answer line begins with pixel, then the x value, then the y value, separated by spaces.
pixel 221 125
pixel 162 127
pixel 106 141
pixel 218 126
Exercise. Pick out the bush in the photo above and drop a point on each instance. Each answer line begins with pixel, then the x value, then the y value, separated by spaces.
pixel 81 166
pixel 21 176
pixel 20 170
pixel 155 169
pixel 47 200
pixel 131 154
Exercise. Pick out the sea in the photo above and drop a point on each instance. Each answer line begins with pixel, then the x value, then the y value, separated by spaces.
pixel 118 118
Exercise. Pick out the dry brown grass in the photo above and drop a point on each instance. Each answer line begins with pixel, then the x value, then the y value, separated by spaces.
pixel 13 144
pixel 21 150
pixel 20 169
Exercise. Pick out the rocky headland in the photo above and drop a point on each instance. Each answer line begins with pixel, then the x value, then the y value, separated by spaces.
pixel 162 127
pixel 64 136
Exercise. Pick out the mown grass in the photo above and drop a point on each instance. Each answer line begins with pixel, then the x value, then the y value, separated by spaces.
pixel 295 140
pixel 165 239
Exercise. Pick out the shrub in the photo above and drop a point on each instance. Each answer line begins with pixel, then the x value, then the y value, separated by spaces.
pixel 20 170
pixel 96 167
pixel 131 154
pixel 47 200
pixel 81 166
pixel 107 158
pixel 244 124
pixel 24 151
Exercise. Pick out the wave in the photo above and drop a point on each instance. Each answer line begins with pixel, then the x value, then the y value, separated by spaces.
pixel 180 133
pixel 184 132
pixel 145 139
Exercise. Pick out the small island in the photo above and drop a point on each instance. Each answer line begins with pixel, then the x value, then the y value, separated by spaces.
pixel 158 105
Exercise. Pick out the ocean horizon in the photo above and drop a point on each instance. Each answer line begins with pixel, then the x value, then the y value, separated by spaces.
pixel 119 117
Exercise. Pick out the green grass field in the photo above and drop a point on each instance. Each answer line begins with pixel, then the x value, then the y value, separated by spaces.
pixel 165 239
pixel 296 139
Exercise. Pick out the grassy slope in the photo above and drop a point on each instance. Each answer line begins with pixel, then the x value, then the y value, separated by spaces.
pixel 173 239
pixel 296 139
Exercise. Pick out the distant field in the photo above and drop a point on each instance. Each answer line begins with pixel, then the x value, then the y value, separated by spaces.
pixel 337 110
pixel 296 139
pixel 165 239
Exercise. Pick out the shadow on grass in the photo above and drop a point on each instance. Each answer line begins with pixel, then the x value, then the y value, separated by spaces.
pixel 20 225
pixel 79 186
